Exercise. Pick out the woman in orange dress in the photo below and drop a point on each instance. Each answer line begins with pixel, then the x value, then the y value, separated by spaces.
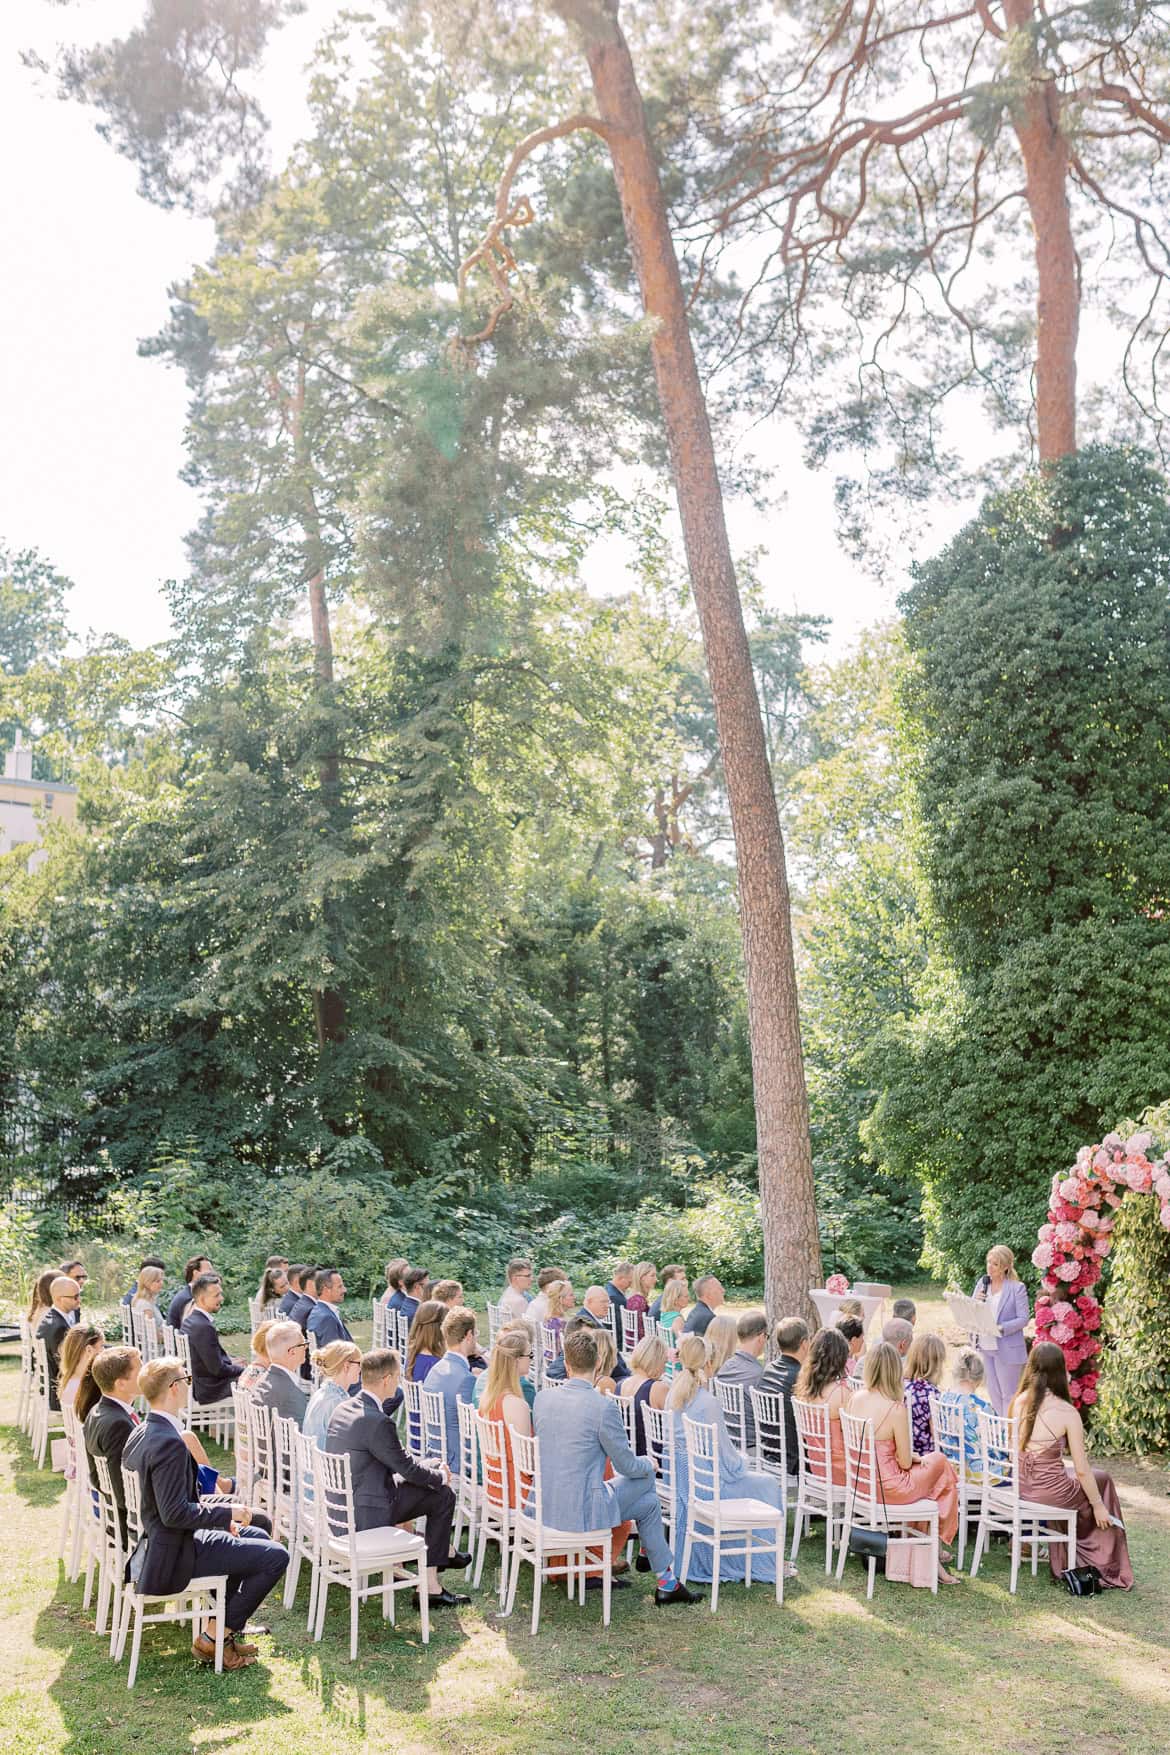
pixel 503 1402
pixel 903 1476
pixel 823 1381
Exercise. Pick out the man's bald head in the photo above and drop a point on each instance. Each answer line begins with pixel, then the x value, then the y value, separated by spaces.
pixel 65 1294
pixel 899 1334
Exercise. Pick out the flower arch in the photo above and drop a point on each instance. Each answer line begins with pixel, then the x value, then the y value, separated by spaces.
pixel 1077 1238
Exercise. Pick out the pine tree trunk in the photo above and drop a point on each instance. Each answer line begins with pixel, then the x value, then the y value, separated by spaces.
pixel 1037 122
pixel 792 1259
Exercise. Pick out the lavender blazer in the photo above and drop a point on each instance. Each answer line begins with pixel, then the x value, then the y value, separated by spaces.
pixel 1014 1311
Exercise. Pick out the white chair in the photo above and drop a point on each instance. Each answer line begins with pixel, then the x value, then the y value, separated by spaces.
pixel 379 1327
pixel 306 1543
pixel 263 1459
pixel 213 1417
pixel 868 1509
pixel 412 1408
pixel 47 1422
pixel 495 1512
pixel 534 1541
pixel 950 1436
pixel 468 1492
pixel 283 1464
pixel 551 1343
pixel 77 1518
pixel 628 1410
pixel 110 1556
pixel 632 1328
pixel 658 1425
pixel 199 1597
pixel 351 1558
pixel 145 1332
pixel 242 1425
pixel 496 1320
pixel 127 1328
pixel 816 1491
pixel 771 1456
pixel 1028 1522
pixel 669 1337
pixel 28 1376
pixel 731 1399
pixel 732 1527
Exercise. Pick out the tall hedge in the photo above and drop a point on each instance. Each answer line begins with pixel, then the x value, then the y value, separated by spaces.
pixel 1133 1395
pixel 1040 702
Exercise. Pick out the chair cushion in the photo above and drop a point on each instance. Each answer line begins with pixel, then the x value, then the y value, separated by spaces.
pixel 386 1542
pixel 566 1538
pixel 743 1511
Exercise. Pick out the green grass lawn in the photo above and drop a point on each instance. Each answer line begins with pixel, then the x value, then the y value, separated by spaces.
pixel 971 1670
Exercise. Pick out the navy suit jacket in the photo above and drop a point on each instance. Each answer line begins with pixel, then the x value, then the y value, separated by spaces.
pixel 363 1431
pixel 285 1308
pixel 212 1372
pixel 300 1310
pixel 325 1322
pixel 615 1297
pixel 107 1427
pixel 171 1509
pixel 52 1329
pixel 178 1307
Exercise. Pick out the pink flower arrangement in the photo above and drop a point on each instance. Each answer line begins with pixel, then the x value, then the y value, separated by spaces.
pixel 837 1284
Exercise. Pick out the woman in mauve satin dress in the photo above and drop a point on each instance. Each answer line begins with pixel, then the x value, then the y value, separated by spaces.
pixel 1047 1422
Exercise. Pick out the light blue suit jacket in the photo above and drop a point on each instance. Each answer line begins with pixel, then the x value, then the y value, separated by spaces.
pixel 578 1429
pixel 1012 1349
pixel 451 1378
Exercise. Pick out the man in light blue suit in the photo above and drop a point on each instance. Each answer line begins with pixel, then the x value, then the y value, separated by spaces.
pixel 451 1377
pixel 324 1319
pixel 578 1430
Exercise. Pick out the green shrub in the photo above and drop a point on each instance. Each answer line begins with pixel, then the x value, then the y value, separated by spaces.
pixel 1133 1410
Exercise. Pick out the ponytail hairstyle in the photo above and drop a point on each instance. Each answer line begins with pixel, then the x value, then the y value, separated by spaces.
pixel 1045 1374
pixel 722 1339
pixel 693 1358
pixel 1004 1258
pixel 828 1356
pixel 606 1355
pixel 511 1348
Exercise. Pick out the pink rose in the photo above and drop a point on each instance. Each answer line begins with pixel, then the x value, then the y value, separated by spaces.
pixel 1112 1141
pixel 837 1284
pixel 1068 1270
pixel 1107 1222
pixel 1088 1396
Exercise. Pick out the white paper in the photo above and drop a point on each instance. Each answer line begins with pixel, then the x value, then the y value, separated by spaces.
pixel 973 1315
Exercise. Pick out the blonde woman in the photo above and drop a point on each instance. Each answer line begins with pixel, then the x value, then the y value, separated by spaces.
pixel 925 1364
pixel 722 1340
pixel 503 1398
pixel 561 1305
pixel 259 1362
pixel 646 1383
pixel 675 1298
pixel 638 1299
pixel 607 1353
pixel 146 1295
pixel 340 1365
pixel 1005 1352
pixel 903 1478
pixel 691 1397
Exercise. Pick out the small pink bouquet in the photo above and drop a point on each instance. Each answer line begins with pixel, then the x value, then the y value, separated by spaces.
pixel 837 1284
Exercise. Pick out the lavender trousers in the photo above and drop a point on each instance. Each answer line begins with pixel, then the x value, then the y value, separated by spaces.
pixel 1003 1379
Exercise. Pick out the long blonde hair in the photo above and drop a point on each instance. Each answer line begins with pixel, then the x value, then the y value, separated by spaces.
pixel 649 1356
pixel 926 1358
pixel 674 1296
pixel 606 1355
pixel 883 1372
pixel 692 1356
pixel 722 1340
pixel 503 1372
pixel 999 1252
pixel 560 1298
pixel 641 1272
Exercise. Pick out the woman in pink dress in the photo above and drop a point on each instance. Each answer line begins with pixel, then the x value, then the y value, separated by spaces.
pixel 903 1479
pixel 1047 1422
pixel 645 1280
pixel 822 1380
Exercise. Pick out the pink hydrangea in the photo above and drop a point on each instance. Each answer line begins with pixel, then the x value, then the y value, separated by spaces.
pixel 1066 1231
pixel 837 1284
pixel 1068 1270
pixel 1061 1333
pixel 1048 1232
pixel 1061 1309
pixel 1090 1219
pixel 1139 1143
pixel 1088 1396
pixel 1103 1245
pixel 1068 1188
pixel 1042 1256
pixel 1164 1215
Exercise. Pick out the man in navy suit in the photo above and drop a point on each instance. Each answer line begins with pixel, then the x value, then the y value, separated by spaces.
pixel 183 1538
pixel 111 1420
pixel 325 1318
pixel 289 1299
pixel 303 1309
pixel 212 1371
pixel 452 1377
pixel 55 1325
pixel 181 1302
pixel 361 1428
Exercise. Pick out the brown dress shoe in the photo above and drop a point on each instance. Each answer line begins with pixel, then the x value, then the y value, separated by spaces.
pixel 242 1645
pixel 233 1658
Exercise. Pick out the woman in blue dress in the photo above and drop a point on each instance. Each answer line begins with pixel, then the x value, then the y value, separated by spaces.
pixel 690 1396
pixel 340 1364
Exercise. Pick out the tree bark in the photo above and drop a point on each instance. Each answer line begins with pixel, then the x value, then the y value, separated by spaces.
pixel 1044 148
pixel 792 1257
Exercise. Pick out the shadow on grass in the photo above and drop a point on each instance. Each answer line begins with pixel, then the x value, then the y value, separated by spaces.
pixel 39 1488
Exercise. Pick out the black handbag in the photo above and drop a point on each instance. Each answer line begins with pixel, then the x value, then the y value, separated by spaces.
pixel 868 1544
pixel 1081 1581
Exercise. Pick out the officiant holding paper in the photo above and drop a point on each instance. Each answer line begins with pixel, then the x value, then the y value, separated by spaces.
pixel 1005 1351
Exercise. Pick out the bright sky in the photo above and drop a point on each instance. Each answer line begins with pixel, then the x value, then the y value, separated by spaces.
pixel 92 445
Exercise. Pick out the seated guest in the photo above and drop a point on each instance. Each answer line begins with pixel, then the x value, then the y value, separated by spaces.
pixel 79 1349
pixel 521 1331
pixel 144 1304
pixel 720 1338
pixel 273 1284
pixel 42 1297
pixel 822 1382
pixel 904 1310
pixel 150 1261
pixel 674 1300
pixel 903 1478
pixel 281 1388
pixel 964 1396
pixel 504 1400
pixel 514 1297
pixel 212 1371
pixel 288 1300
pixel 604 1381
pixel 898 1334
pixel 389 1487
pixel 745 1366
pixel 451 1377
pixel 555 1368
pixel 414 1288
pixel 53 1327
pixel 75 1270
pixel 853 1329
pixel 619 1283
pixel 646 1383
pixel 183 1538
pixel 673 1272
pixel 447 1292
pixel 691 1395
pixel 177 1309
pixel 709 1296
pixel 1047 1422
pixel 578 1430
pixel 791 1339
pixel 302 1309
pixel 339 1365
pixel 325 1322
pixel 110 1421
pixel 538 1310
pixel 595 1311
pixel 561 1303
pixel 395 1269
pixel 641 1291
pixel 924 1374
pixel 253 1372
pixel 426 1346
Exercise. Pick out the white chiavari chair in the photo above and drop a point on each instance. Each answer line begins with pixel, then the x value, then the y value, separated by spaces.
pixel 631 1329
pixel 495 1520
pixel 47 1421
pixel 536 1544
pixel 352 1558
pixel 28 1376
pixel 771 1454
pixel 817 1494
pixel 110 1556
pixel 199 1597
pixel 1028 1523
pixel 732 1400
pixel 735 1528
pixel 659 1428
pixel 868 1508
pixel 949 1435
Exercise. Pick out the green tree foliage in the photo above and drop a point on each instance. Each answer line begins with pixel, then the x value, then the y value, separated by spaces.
pixel 1041 636
pixel 1133 1408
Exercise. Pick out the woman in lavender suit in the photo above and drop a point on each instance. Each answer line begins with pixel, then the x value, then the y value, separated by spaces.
pixel 1004 1358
